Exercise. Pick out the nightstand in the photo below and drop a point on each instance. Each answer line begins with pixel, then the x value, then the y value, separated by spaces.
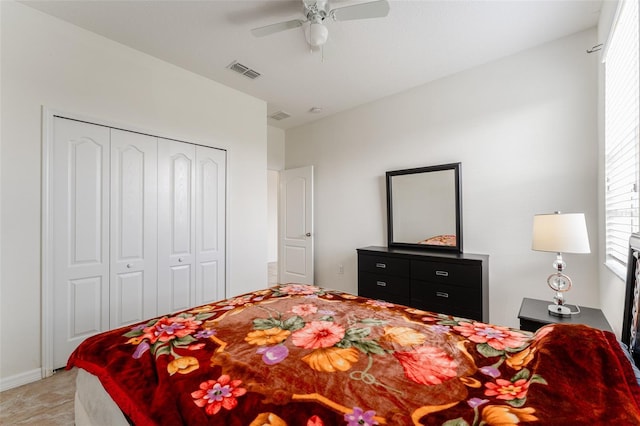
pixel 534 314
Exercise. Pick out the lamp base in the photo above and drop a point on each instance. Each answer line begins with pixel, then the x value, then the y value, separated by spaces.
pixel 559 310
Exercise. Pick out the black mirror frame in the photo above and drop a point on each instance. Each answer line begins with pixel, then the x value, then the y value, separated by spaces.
pixel 456 167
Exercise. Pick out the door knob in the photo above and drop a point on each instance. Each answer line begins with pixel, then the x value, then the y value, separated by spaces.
pixel 308 234
pixel 129 265
pixel 179 259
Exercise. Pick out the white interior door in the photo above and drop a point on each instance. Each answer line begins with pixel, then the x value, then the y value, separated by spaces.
pixel 134 227
pixel 80 258
pixel 296 226
pixel 176 224
pixel 210 224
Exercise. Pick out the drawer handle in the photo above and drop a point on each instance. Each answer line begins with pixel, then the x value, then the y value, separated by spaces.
pixel 381 265
pixel 442 273
pixel 381 283
pixel 442 294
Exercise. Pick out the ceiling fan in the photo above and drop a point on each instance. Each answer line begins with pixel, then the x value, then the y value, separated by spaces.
pixel 316 11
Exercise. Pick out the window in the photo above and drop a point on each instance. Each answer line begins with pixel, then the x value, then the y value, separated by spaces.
pixel 621 135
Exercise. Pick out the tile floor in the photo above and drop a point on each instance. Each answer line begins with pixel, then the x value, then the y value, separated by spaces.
pixel 47 402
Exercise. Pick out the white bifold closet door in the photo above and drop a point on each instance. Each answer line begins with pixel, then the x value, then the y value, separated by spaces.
pixel 190 208
pixel 211 166
pixel 134 227
pixel 139 229
pixel 80 209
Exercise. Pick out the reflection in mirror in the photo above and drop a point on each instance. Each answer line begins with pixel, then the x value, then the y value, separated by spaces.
pixel 424 207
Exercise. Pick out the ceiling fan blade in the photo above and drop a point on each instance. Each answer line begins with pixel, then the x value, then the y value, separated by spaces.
pixel 274 28
pixel 374 9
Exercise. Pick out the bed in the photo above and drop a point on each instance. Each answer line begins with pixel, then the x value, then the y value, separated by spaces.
pixel 303 355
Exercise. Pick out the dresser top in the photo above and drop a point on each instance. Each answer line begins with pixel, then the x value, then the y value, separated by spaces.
pixel 402 252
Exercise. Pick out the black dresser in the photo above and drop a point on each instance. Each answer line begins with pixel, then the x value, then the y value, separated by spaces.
pixel 451 283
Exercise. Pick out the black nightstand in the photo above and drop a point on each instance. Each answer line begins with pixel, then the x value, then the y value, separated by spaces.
pixel 534 314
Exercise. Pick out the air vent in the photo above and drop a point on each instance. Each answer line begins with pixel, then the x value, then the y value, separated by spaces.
pixel 252 74
pixel 280 115
pixel 244 70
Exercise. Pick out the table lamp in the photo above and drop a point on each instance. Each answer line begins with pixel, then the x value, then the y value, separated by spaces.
pixel 560 233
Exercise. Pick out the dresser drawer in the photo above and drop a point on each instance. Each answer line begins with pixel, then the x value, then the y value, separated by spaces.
pixel 449 299
pixel 389 288
pixel 384 265
pixel 454 284
pixel 447 273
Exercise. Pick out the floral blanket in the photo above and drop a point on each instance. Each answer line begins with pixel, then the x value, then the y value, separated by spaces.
pixel 302 355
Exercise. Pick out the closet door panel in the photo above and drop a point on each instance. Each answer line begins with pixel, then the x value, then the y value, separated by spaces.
pixel 80 200
pixel 133 227
pixel 176 225
pixel 181 287
pixel 210 224
pixel 209 282
pixel 85 295
pixel 129 289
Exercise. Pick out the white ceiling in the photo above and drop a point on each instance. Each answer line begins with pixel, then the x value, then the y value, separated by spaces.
pixel 363 60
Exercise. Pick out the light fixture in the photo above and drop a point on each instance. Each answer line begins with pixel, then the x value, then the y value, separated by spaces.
pixel 560 233
pixel 316 33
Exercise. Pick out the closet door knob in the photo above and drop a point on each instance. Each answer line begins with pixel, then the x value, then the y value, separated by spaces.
pixel 308 234
pixel 179 259
pixel 129 265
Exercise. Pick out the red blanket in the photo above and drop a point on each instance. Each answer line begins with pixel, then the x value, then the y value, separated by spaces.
pixel 301 355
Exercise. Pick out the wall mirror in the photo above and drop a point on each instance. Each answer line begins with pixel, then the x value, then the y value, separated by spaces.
pixel 424 208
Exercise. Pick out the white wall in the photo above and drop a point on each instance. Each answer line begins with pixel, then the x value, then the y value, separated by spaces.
pixel 524 128
pixel 275 148
pixel 275 163
pixel 48 62
pixel 273 183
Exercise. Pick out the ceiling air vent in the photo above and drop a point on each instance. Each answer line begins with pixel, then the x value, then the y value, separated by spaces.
pixel 280 115
pixel 244 70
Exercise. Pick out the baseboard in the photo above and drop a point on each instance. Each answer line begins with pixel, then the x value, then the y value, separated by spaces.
pixel 11 382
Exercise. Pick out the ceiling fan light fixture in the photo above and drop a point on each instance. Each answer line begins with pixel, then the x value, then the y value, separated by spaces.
pixel 316 34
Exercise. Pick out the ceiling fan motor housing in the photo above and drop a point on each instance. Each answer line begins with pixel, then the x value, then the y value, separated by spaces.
pixel 317 4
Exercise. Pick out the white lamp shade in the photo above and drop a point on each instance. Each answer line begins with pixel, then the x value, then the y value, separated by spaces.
pixel 560 233
pixel 317 34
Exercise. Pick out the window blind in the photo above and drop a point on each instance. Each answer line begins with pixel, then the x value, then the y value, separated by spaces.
pixel 622 156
